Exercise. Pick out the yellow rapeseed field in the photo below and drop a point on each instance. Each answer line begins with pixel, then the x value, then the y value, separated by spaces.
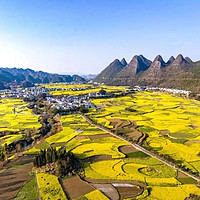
pixel 172 123
pixel 94 195
pixel 21 119
pixel 49 187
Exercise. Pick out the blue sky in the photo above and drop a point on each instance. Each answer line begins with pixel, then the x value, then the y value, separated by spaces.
pixel 86 35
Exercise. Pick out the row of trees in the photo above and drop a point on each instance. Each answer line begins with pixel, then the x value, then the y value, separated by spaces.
pixel 2 156
pixel 16 146
pixel 65 162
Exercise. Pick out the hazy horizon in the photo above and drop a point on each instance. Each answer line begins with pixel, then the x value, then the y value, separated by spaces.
pixel 85 36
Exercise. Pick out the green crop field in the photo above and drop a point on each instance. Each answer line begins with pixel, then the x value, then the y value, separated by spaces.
pixel 165 193
pixel 171 123
pixel 151 172
pixel 28 191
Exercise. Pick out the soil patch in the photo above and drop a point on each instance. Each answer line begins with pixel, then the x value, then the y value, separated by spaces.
pixel 108 190
pixel 104 181
pixel 25 159
pixel 193 126
pixel 12 179
pixel 127 192
pixel 192 141
pixel 134 134
pixel 164 132
pixel 95 137
pixel 181 175
pixel 127 127
pixel 116 123
pixel 75 187
pixel 80 137
pixel 127 149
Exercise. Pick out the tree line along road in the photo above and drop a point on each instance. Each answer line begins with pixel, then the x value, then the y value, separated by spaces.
pixel 141 148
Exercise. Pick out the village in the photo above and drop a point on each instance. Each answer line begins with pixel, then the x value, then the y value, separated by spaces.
pixel 64 102
pixel 58 102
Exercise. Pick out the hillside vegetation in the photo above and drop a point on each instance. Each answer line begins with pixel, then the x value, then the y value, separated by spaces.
pixel 179 73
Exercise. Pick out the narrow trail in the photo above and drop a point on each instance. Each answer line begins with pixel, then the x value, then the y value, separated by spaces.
pixel 141 148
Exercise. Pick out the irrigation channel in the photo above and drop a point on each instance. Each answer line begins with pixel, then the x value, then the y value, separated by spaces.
pixel 141 148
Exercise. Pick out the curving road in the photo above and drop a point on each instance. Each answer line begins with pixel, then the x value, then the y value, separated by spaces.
pixel 141 148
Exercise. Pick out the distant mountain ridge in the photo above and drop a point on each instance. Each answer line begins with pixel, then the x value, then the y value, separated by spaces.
pixel 179 72
pixel 19 75
pixel 111 71
pixel 89 77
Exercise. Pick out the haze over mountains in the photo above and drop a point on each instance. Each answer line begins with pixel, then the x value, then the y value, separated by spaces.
pixel 28 77
pixel 179 72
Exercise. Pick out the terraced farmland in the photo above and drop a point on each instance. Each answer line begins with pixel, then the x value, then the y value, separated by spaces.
pixel 171 123
pixel 112 168
pixel 105 162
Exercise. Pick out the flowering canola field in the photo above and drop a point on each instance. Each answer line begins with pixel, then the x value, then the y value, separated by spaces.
pixel 171 123
pixel 49 187
pixel 86 141
pixel 79 89
pixel 20 120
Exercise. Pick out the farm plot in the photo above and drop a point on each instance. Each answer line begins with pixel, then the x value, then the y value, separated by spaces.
pixel 108 190
pixel 127 190
pixel 78 140
pixel 49 187
pixel 105 159
pixel 64 136
pixel 80 89
pixel 15 116
pixel 75 187
pixel 84 147
pixel 36 149
pixel 94 195
pixel 102 146
pixel 143 170
pixel 8 139
pixel 28 191
pixel 171 123
pixel 179 192
pixel 12 179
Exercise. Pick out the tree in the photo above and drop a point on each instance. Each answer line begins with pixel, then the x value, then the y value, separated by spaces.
pixel 42 96
pixel 2 156
pixel 5 150
pixel 83 109
pixel 59 169
pixel 102 92
pixel 48 156
pixel 54 156
pixel 65 162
